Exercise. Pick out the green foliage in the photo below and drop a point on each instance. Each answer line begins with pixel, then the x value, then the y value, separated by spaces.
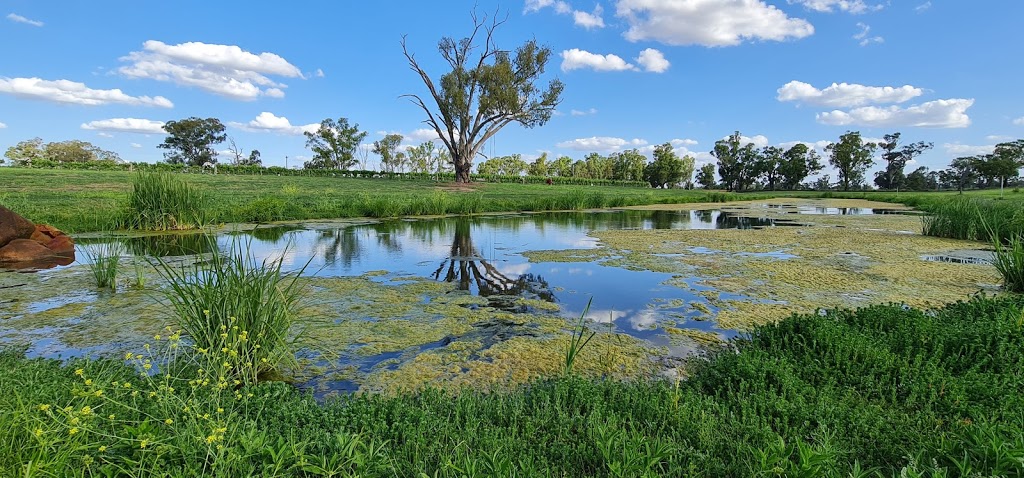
pixel 737 164
pixel 578 340
pixel 233 299
pixel 503 166
pixel 852 157
pixel 799 162
pixel 881 391
pixel 668 169
pixel 973 218
pixel 485 89
pixel 104 258
pixel 1009 261
pixel 391 160
pixel 162 202
pixel 334 144
pixel 190 141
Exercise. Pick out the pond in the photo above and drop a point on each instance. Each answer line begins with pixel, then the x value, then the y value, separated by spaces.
pixel 456 300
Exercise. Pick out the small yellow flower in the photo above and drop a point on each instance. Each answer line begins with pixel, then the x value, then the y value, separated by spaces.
pixel 86 410
pixel 206 312
pixel 79 372
pixel 73 431
pixel 128 355
pixel 39 432
pixel 145 346
pixel 103 448
pixel 88 381
pixel 143 443
pixel 152 394
pixel 135 393
pixel 44 407
pixel 168 421
pixel 220 410
pixel 74 421
pixel 98 393
pixel 156 337
pixel 111 416
pixel 127 385
pixel 147 366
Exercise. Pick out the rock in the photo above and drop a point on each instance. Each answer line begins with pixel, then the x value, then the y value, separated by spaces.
pixel 61 245
pixel 24 250
pixel 13 226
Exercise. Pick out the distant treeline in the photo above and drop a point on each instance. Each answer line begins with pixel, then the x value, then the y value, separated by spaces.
pixel 102 165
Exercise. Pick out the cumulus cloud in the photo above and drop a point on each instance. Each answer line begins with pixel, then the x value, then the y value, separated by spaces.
pixel 14 17
pixel 576 59
pixel 126 125
pixel 849 6
pixel 423 134
pixel 601 144
pixel 862 35
pixel 2 125
pixel 843 95
pixel 589 20
pixel 951 113
pixel 65 91
pixel 652 60
pixel 225 70
pixel 136 145
pixel 319 73
pixel 267 122
pixel 956 150
pixel 818 145
pixel 709 22
pixel 1019 121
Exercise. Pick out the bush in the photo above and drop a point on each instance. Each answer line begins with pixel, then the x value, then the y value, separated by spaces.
pixel 234 302
pixel 161 202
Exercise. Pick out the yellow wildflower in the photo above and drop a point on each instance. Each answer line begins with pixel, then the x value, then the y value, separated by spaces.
pixel 79 372
pixel 103 448
pixel 44 407
pixel 73 431
pixel 168 421
pixel 143 443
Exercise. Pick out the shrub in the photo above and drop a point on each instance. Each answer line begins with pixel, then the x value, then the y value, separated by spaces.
pixel 234 304
pixel 162 201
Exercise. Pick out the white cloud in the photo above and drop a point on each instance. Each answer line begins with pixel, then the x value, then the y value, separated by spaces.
pixel 956 150
pixel 126 125
pixel 709 22
pixel 537 5
pixel 818 145
pixel 319 73
pixel 923 7
pixel 862 35
pixel 226 70
pixel 575 59
pixel 65 91
pixel 136 145
pixel 849 6
pixel 591 111
pixel 589 20
pixel 267 122
pixel 14 17
pixel 1019 121
pixel 845 94
pixel 601 144
pixel 652 60
pixel 998 138
pixel 951 113
pixel 2 125
pixel 104 135
pixel 759 141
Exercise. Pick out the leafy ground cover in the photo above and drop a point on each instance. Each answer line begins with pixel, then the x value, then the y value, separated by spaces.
pixel 881 391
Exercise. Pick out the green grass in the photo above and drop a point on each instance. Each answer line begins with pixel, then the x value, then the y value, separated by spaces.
pixel 1008 259
pixel 237 311
pixel 163 202
pixel 79 201
pixel 104 259
pixel 882 391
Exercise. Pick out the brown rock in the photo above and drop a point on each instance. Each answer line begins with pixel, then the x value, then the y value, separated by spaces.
pixel 13 226
pixel 44 234
pixel 24 250
pixel 61 245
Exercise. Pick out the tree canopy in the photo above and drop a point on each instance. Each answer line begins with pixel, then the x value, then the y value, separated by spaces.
pixel 191 140
pixel 852 157
pixel 333 144
pixel 486 89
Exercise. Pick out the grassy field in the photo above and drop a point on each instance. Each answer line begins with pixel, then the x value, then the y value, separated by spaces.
pixel 883 391
pixel 81 201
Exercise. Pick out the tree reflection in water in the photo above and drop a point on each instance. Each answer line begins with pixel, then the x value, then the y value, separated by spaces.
pixel 466 268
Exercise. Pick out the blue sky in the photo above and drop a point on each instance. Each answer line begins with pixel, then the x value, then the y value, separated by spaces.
pixel 636 72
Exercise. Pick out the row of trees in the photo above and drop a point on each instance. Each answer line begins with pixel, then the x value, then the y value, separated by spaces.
pixel 71 151
pixel 741 166
pixel 667 169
